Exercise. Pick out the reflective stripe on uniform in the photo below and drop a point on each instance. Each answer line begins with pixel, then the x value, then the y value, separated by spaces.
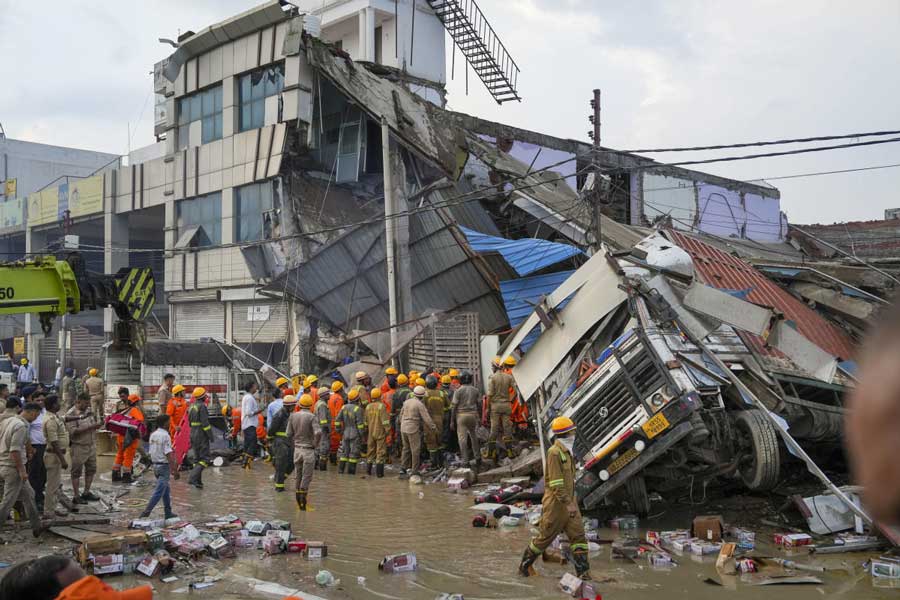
pixel 197 424
pixel 203 463
pixel 279 486
pixel 281 433
pixel 353 460
pixel 534 549
pixel 207 428
pixel 343 459
pixel 557 482
pixel 576 547
pixel 323 422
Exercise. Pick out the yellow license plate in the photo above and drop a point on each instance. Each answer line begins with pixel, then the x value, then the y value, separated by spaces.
pixel 655 426
pixel 617 465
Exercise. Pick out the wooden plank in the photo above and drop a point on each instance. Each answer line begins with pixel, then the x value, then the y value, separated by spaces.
pixel 72 533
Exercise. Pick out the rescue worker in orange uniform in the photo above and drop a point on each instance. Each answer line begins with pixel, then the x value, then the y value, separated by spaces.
pixel 387 398
pixel 335 403
pixel 126 445
pixel 519 415
pixel 176 408
pixel 559 506
pixel 389 373
pixel 413 377
pixel 378 422
pixel 311 387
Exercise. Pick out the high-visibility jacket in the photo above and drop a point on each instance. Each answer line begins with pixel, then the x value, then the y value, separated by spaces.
pixel 377 420
pixel 175 409
pixel 519 415
pixel 335 403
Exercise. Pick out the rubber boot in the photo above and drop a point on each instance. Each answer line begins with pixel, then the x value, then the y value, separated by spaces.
pixel 116 476
pixel 342 466
pixel 248 462
pixel 333 458
pixel 369 469
pixel 510 453
pixel 126 477
pixel 433 457
pixel 196 477
pixel 301 499
pixel 492 451
pixel 582 566
pixel 351 469
pixel 525 567
pixel 379 470
pixel 323 463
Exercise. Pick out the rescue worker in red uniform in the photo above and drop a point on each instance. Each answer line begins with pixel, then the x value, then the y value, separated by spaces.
pixel 559 506
pixel 127 445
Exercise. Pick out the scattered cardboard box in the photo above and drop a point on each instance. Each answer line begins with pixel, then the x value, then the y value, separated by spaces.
pixel 708 527
pixel 398 563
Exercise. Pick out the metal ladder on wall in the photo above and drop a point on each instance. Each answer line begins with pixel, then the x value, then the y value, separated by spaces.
pixel 481 46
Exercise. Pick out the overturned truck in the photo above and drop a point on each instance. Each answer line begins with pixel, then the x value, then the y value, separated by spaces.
pixel 672 381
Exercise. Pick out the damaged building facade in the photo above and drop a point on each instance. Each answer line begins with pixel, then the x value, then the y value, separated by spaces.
pixel 295 142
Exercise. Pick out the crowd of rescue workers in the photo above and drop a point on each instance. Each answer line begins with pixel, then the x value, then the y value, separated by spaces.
pixel 420 422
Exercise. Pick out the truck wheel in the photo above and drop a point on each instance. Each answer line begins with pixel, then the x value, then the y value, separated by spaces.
pixel 759 462
pixel 636 495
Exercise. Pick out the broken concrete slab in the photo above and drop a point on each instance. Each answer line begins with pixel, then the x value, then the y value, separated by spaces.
pixel 527 464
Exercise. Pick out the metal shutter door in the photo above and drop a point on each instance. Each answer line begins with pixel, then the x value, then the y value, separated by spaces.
pixel 270 324
pixel 194 320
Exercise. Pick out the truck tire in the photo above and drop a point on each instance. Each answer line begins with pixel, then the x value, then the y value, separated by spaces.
pixel 759 460
pixel 636 495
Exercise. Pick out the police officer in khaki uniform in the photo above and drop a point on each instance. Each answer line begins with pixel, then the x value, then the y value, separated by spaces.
pixel 464 417
pixel 95 388
pixel 559 506
pixel 378 421
pixel 413 418
pixel 304 434
pixel 501 409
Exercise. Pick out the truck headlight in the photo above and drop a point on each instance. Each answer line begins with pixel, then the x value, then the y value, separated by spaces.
pixel 640 445
pixel 604 475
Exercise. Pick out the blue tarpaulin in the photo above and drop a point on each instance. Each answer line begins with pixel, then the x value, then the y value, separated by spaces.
pixel 526 255
pixel 521 295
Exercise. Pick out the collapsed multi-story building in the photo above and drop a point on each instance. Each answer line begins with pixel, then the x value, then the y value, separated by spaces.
pixel 295 139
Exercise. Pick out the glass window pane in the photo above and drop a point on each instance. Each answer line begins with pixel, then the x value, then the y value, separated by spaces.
pixel 257 113
pixel 217 98
pixel 350 141
pixel 244 91
pixel 258 85
pixel 245 117
pixel 217 122
pixel 206 99
pixel 182 112
pixel 196 113
pixel 265 192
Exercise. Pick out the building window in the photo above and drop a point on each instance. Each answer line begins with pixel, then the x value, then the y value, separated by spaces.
pixel 255 211
pixel 253 90
pixel 206 107
pixel 200 221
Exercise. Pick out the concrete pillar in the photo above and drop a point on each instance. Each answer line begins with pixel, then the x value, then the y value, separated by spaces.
pixel 115 240
pixel 370 34
pixel 35 241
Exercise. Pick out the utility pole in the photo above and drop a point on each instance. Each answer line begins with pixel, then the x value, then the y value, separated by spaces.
pixel 389 231
pixel 595 193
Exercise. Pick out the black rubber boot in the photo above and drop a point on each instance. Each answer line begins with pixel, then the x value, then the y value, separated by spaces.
pixel 528 558
pixel 301 499
pixel 342 466
pixel 369 469
pixel 332 458
pixel 323 463
pixel 116 476
pixel 379 470
pixel 582 566
pixel 196 477
pixel 126 477
pixel 433 457
pixel 492 450
pixel 351 469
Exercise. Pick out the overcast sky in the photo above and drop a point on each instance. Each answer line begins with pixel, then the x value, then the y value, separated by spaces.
pixel 684 73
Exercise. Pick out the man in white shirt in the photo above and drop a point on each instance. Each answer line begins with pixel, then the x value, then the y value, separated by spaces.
pixel 163 466
pixel 37 472
pixel 249 421
pixel 25 373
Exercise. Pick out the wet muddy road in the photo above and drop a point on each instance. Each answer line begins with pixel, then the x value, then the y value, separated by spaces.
pixel 363 519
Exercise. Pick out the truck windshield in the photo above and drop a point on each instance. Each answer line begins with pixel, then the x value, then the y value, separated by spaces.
pixel 6 365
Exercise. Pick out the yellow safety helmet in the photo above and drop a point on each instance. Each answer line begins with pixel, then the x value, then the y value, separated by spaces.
pixel 337 386
pixel 376 393
pixel 445 379
pixel 561 425
pixel 92 372
pixel 281 381
pixel 177 389
pixel 413 375
pixel 306 400
pixel 420 382
pixel 353 394
pixel 291 399
pixel 360 375
pixel 495 361
pixel 24 361
pixel 310 380
pixel 198 392
pixel 510 361
pixel 402 379
pixel 391 371
pixel 453 373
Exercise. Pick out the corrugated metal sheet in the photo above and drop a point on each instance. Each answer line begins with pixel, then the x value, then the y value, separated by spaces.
pixel 346 280
pixel 521 295
pixel 526 255
pixel 272 329
pixel 723 271
pixel 194 320
pixel 468 214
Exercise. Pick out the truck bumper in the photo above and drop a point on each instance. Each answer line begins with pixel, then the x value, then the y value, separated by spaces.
pixel 637 465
